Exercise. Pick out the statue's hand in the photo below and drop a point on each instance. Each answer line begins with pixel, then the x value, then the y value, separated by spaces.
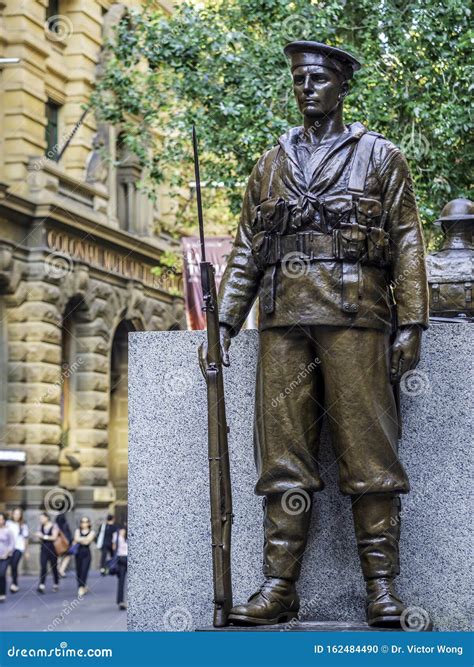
pixel 405 351
pixel 225 337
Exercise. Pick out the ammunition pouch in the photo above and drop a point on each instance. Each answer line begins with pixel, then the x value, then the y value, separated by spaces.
pixel 369 210
pixel 349 242
pixel 337 210
pixel 369 214
pixel 272 215
pixel 261 243
pixel 378 247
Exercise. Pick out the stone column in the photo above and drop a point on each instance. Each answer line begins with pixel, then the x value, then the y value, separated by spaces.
pixel 34 388
pixel 89 438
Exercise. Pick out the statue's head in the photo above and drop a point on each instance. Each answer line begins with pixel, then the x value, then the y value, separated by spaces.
pixel 457 218
pixel 321 76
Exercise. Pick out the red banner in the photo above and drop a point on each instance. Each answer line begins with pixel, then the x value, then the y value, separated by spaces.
pixel 217 252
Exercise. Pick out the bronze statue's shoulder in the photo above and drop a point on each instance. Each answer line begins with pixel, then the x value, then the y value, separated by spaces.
pixel 290 137
pixel 265 159
pixel 386 152
pixel 286 142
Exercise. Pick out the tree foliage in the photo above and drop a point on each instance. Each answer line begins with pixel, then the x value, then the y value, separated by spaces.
pixel 219 64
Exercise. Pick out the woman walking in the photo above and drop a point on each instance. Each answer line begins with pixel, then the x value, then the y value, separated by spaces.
pixel 47 534
pixel 120 546
pixel 63 526
pixel 7 545
pixel 18 527
pixel 105 539
pixel 83 537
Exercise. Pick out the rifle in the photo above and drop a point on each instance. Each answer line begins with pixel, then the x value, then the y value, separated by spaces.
pixel 210 361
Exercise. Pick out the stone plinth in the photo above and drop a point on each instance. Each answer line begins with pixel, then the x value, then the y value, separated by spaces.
pixel 170 585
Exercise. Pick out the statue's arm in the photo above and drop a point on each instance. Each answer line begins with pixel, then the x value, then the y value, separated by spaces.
pixel 241 279
pixel 408 269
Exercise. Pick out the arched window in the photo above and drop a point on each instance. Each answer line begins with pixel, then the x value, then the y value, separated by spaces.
pixel 118 417
pixel 3 372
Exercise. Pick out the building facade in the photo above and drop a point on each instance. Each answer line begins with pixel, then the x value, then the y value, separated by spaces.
pixel 77 249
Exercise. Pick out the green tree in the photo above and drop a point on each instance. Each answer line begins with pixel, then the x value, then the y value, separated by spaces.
pixel 219 64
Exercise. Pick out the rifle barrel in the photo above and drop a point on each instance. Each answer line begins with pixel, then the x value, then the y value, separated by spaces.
pixel 198 195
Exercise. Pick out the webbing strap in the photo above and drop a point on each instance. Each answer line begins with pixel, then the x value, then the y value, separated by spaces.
pixel 360 163
pixel 268 186
pixel 350 287
pixel 267 294
pixel 356 187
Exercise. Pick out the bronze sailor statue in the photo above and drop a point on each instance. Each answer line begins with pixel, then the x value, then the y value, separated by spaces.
pixel 330 241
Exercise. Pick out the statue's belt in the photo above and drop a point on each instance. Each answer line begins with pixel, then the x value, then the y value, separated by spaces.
pixel 351 245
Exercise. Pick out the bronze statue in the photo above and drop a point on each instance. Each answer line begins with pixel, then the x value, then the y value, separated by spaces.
pixel 330 241
pixel 450 270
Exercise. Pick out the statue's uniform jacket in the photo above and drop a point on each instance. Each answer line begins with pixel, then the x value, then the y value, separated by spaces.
pixel 347 352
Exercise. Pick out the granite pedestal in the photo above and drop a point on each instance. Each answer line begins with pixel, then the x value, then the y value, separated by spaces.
pixel 170 584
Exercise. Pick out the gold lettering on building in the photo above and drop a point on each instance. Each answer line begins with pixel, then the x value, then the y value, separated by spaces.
pixel 109 260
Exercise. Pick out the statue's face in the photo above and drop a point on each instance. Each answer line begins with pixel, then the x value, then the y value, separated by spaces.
pixel 318 90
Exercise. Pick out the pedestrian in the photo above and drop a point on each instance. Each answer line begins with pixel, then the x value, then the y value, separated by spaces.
pixel 19 528
pixel 63 525
pixel 107 531
pixel 83 537
pixel 120 547
pixel 7 546
pixel 47 534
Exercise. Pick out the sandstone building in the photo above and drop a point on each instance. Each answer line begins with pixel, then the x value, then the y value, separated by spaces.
pixel 77 246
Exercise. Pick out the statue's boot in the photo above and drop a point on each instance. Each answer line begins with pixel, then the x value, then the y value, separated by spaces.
pixel 276 601
pixel 384 607
pixel 286 532
pixel 377 529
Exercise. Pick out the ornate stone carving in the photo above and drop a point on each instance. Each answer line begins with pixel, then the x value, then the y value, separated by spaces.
pixel 97 168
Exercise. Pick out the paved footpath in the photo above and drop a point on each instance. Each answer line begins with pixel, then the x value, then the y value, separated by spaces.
pixel 28 610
